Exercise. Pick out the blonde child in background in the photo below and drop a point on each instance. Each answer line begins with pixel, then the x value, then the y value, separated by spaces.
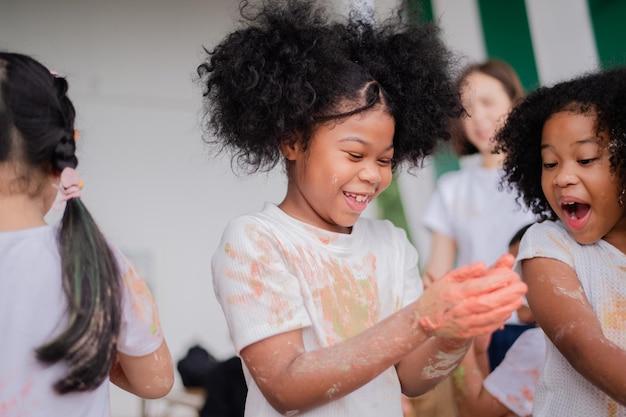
pixel 324 306
pixel 566 149
pixel 470 217
pixel 74 314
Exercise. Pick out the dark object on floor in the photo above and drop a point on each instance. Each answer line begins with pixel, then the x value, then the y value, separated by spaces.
pixel 223 382
pixel 226 390
pixel 195 367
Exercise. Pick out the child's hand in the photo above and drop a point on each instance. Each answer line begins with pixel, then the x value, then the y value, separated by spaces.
pixel 471 300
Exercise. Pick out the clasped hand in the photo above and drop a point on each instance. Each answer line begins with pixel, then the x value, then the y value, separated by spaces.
pixel 471 300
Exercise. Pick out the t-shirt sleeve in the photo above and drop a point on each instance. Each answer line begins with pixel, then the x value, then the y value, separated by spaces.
pixel 514 381
pixel 260 297
pixel 140 332
pixel 547 239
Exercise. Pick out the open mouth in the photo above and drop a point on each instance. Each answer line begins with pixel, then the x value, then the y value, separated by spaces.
pixel 357 201
pixel 575 211
pixel 359 198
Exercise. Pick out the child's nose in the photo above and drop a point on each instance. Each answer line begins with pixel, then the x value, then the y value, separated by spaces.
pixel 565 177
pixel 370 173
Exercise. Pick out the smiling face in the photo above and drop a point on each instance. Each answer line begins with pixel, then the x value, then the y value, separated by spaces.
pixel 577 180
pixel 487 104
pixel 347 164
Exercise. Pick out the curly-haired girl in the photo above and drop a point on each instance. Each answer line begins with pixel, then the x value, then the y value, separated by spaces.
pixel 324 306
pixel 566 148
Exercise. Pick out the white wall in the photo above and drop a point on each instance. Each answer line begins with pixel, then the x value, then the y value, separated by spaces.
pixel 148 179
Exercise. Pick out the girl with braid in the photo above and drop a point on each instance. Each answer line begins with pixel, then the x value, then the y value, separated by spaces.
pixel 74 314
pixel 326 308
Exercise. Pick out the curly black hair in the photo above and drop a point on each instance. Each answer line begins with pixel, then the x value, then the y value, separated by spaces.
pixel 601 94
pixel 290 68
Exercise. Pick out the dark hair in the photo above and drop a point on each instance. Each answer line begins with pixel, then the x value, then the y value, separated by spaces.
pixel 289 68
pixel 501 71
pixel 599 94
pixel 37 136
pixel 519 234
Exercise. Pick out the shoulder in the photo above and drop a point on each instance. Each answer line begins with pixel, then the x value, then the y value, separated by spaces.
pixel 257 221
pixel 547 232
pixel 452 177
pixel 548 239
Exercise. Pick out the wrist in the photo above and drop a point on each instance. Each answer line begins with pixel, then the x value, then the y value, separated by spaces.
pixel 454 344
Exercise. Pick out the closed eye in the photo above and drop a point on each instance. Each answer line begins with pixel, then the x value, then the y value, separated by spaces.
pixel 586 161
pixel 355 155
pixel 548 165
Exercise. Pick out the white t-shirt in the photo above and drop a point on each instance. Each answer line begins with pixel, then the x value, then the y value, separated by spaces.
pixel 468 207
pixel 273 274
pixel 514 381
pixel 33 310
pixel 561 390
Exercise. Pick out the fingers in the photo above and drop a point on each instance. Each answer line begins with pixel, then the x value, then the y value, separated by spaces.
pixel 508 297
pixel 493 281
pixel 468 325
pixel 474 315
pixel 505 261
pixel 462 273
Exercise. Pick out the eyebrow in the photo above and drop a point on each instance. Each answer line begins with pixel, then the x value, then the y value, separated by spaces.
pixel 361 141
pixel 595 141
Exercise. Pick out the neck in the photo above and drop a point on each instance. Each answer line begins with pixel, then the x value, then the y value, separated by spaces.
pixel 492 161
pixel 19 211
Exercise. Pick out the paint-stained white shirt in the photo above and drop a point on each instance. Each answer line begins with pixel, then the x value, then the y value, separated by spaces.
pixel 601 270
pixel 273 274
pixel 33 310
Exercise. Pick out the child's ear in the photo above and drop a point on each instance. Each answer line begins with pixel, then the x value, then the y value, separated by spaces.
pixel 290 149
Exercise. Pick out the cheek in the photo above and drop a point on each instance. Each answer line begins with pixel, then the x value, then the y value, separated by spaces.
pixel 385 179
pixel 546 186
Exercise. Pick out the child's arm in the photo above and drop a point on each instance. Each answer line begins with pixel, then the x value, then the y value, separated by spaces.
pixel 149 376
pixel 472 398
pixel 459 305
pixel 573 327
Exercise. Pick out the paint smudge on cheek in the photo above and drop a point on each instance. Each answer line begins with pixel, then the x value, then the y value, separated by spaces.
pixel 334 179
